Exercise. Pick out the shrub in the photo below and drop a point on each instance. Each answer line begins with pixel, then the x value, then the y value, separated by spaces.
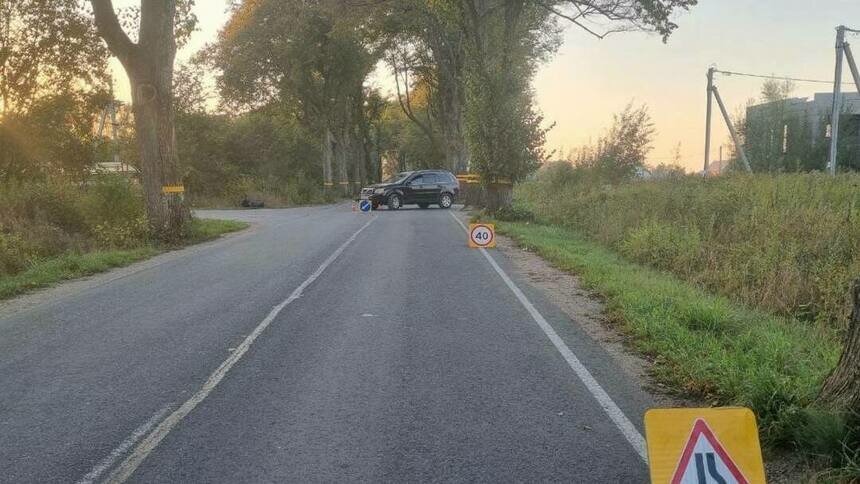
pixel 112 201
pixel 126 234
pixel 41 220
pixel 52 203
pixel 665 246
pixel 14 254
pixel 514 213
pixel 786 243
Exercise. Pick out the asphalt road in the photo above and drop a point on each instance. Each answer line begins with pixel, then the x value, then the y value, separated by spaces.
pixel 394 355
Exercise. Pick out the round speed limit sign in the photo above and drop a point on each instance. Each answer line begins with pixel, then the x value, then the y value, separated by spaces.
pixel 482 236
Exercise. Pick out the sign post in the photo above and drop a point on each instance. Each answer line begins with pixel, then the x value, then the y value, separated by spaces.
pixel 696 446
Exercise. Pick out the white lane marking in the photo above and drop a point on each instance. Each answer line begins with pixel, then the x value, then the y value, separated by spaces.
pixel 630 432
pixel 126 444
pixel 125 469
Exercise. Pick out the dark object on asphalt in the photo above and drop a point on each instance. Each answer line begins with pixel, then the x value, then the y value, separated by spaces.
pixel 422 188
pixel 252 203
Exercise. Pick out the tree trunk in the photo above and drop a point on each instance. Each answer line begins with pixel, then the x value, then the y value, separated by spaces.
pixel 328 155
pixel 497 195
pixel 456 152
pixel 149 65
pixel 841 391
pixel 154 125
pixel 448 103
pixel 359 160
pixel 451 106
pixel 341 155
pixel 491 197
pixel 378 154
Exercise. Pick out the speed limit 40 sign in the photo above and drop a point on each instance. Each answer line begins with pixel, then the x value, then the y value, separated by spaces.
pixel 482 236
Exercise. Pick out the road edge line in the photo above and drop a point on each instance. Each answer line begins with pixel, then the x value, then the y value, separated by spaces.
pixel 147 445
pixel 630 432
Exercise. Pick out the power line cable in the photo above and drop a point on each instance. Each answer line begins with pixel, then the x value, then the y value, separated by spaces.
pixel 778 78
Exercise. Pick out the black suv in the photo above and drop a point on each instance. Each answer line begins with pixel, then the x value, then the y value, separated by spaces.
pixel 423 188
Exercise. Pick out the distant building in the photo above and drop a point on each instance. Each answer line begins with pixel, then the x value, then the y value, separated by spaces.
pixel 115 168
pixel 794 134
pixel 815 112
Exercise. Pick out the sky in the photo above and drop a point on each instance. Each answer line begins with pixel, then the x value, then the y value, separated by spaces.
pixel 589 80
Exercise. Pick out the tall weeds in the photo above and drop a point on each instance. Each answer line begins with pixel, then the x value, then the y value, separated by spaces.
pixel 41 220
pixel 787 243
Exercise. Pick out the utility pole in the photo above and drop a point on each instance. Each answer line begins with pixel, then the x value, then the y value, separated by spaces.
pixel 738 146
pixel 714 93
pixel 852 65
pixel 837 99
pixel 708 120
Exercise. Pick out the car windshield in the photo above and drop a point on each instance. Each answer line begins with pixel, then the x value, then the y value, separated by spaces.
pixel 398 178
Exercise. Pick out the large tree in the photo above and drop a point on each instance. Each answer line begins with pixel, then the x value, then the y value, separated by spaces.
pixel 307 55
pixel 424 47
pixel 149 65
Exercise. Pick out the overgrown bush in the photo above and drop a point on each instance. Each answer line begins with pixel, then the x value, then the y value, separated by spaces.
pixel 664 245
pixel 40 220
pixel 111 201
pixel 14 253
pixel 786 243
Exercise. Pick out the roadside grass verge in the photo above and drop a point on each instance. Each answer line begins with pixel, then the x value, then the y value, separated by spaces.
pixel 202 230
pixel 50 271
pixel 788 244
pixel 705 345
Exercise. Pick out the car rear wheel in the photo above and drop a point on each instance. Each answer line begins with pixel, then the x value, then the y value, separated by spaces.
pixel 446 200
pixel 424 205
pixel 394 202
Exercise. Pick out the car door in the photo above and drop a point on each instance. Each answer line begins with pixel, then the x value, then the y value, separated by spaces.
pixel 412 189
pixel 430 188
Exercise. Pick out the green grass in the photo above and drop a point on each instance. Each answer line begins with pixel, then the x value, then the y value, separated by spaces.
pixel 68 266
pixel 788 244
pixel 702 345
pixel 202 230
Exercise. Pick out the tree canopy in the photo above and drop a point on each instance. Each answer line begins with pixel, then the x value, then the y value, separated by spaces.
pixel 293 84
pixel 47 47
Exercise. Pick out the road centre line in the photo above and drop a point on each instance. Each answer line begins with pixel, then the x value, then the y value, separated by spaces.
pixel 630 432
pixel 142 450
pixel 126 444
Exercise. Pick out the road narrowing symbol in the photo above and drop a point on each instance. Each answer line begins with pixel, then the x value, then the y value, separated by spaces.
pixel 365 206
pixel 704 446
pixel 482 236
pixel 705 458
